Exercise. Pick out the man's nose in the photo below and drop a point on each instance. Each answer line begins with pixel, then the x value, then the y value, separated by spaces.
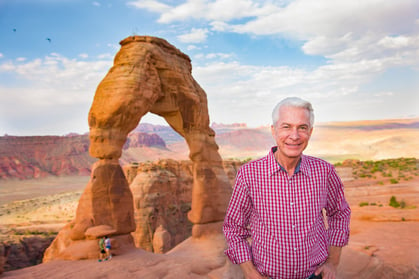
pixel 294 134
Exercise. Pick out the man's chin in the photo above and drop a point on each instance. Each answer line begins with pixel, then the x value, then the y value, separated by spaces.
pixel 294 153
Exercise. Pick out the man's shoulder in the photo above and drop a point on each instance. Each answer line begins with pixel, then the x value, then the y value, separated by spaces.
pixel 312 161
pixel 255 163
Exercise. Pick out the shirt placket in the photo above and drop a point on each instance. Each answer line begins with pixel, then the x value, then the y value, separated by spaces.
pixel 293 209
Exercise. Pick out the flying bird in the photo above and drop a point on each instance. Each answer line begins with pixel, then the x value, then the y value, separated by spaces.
pixel 48 39
pixel 14 29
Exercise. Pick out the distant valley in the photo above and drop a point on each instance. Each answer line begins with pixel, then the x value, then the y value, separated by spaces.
pixel 43 156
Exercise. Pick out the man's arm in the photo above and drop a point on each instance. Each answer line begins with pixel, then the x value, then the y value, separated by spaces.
pixel 329 268
pixel 236 223
pixel 338 212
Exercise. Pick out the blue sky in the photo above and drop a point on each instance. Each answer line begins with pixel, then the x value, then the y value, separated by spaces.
pixel 354 60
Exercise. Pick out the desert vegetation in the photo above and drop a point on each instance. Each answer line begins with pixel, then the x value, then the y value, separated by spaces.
pixel 392 170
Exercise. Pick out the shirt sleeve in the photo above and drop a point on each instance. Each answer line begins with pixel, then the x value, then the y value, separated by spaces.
pixel 338 212
pixel 236 223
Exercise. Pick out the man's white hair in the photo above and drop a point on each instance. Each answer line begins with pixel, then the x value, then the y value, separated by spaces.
pixel 293 102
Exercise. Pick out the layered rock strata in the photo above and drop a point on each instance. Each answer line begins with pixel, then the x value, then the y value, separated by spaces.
pixel 162 198
pixel 148 75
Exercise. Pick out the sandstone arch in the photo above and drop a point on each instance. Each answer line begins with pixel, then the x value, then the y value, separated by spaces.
pixel 148 75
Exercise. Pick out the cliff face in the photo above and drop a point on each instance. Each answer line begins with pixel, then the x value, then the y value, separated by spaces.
pixel 142 139
pixel 162 193
pixel 27 252
pixel 41 156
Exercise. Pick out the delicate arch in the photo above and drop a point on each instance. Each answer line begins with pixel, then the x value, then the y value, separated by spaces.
pixel 151 75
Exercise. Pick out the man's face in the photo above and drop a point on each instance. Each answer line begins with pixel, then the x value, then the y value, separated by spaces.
pixel 292 132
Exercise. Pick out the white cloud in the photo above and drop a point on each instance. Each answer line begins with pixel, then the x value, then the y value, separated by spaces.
pixel 114 47
pixel 385 93
pixel 105 56
pixel 219 55
pixel 220 10
pixel 191 47
pixel 195 36
pixel 1 55
pixel 233 88
pixel 151 5
pixel 54 88
pixel 342 31
pixel 399 42
pixel 97 4
pixel 306 19
pixel 83 55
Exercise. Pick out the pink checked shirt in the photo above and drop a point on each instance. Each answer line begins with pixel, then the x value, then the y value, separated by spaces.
pixel 282 215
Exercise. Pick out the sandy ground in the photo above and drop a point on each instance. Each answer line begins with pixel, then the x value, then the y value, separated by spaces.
pixel 384 241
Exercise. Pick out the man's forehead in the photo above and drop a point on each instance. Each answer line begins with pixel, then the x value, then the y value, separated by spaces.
pixel 292 115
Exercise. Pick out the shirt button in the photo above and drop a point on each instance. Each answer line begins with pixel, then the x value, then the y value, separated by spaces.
pixel 291 203
pixel 293 226
pixel 295 249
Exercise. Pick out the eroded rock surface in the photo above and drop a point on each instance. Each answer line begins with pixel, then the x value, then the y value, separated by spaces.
pixel 148 75
pixel 162 198
pixel 151 75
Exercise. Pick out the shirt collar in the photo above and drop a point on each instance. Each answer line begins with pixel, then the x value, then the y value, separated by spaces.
pixel 274 166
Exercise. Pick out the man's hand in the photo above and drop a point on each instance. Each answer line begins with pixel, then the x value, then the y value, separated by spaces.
pixel 250 271
pixel 329 269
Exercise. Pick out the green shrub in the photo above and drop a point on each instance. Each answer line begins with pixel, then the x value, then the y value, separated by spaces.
pixel 361 204
pixel 393 202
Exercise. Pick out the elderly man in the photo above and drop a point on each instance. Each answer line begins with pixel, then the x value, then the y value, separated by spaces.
pixel 287 217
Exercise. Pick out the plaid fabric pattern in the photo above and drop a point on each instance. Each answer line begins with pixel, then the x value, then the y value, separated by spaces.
pixel 276 220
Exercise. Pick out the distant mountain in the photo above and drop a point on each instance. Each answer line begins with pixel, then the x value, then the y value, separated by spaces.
pixel 41 156
pixel 31 157
pixel 374 125
pixel 246 139
pixel 168 135
pixel 137 139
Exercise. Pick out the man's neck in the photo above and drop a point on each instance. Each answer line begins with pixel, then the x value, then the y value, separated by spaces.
pixel 289 164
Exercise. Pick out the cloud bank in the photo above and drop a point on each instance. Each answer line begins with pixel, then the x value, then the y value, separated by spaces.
pixel 370 51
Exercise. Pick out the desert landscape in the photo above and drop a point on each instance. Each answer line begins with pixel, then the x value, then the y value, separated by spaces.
pixel 160 192
pixel 381 187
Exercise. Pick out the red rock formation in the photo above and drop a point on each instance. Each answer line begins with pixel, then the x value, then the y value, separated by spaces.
pixel 142 139
pixel 162 198
pixel 149 75
pixel 27 252
pixel 105 208
pixel 41 156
